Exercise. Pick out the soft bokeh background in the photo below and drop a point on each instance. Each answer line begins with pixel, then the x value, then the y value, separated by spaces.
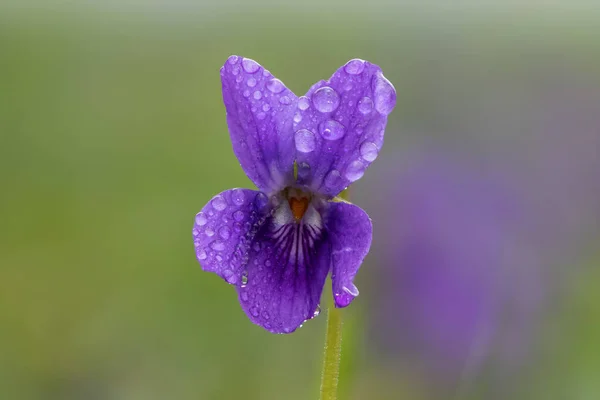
pixel 113 135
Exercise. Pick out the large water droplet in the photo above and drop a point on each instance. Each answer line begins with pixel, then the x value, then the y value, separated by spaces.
pixel 238 215
pixel 385 94
pixel 305 140
pixel 369 151
pixel 331 130
pixel 238 197
pixel 201 219
pixel 217 245
pixel 201 255
pixel 303 103
pixel 250 65
pixel 333 179
pixel 209 232
pixel 261 200
pixel 365 105
pixel 218 203
pixel 232 59
pixel 251 82
pixel 355 170
pixel 257 95
pixel 355 66
pixel 326 99
pixel 275 85
pixel 225 232
pixel 351 289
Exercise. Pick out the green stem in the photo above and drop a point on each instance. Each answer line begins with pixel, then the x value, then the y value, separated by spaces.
pixel 333 354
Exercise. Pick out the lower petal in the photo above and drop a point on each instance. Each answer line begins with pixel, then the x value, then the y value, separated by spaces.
pixel 286 271
pixel 224 229
pixel 350 233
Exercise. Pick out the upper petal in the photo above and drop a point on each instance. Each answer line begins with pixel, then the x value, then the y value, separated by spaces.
pixel 224 229
pixel 339 126
pixel 350 233
pixel 259 116
pixel 287 266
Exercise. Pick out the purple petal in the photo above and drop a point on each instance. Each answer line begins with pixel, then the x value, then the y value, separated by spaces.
pixel 287 266
pixel 259 115
pixel 339 126
pixel 224 229
pixel 350 233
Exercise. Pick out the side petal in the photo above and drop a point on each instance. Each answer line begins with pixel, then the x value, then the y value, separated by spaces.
pixel 287 266
pixel 339 126
pixel 259 116
pixel 224 229
pixel 350 233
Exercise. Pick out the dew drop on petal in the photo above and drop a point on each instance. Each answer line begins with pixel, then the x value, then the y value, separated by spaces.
pixel 209 232
pixel 217 245
pixel 275 85
pixel 201 255
pixel 251 82
pixel 305 141
pixel 201 219
pixel 244 279
pixel 268 263
pixel 238 197
pixel 232 59
pixel 331 130
pixel 369 151
pixel 256 247
pixel 225 232
pixel 326 99
pixel 246 93
pixel 365 105
pixel 303 170
pixel 384 93
pixel 244 296
pixel 250 65
pixel 297 117
pixel 261 200
pixel 333 178
pixel 285 100
pixel 303 103
pixel 257 95
pixel 218 203
pixel 254 311
pixel 266 107
pixel 238 215
pixel 354 67
pixel 261 115
pixel 355 170
pixel 266 315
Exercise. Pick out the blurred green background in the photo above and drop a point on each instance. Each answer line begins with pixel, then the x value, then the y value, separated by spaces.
pixel 113 135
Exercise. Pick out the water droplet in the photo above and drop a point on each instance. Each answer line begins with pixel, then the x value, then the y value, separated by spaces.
pixel 261 200
pixel 266 72
pixel 257 95
pixel 237 196
pixel 237 227
pixel 209 232
pixel 261 115
pixel 244 278
pixel 218 203
pixel 201 255
pixel 201 219
pixel 266 107
pixel 239 78
pixel 268 263
pixel 225 232
pixel 355 170
pixel 256 247
pixel 326 99
pixel 246 93
pixel 333 179
pixel 250 66
pixel 351 289
pixel 238 215
pixel 305 141
pixel 266 315
pixel 303 103
pixel 297 117
pixel 219 258
pixel 232 59
pixel 217 245
pixel 369 151
pixel 251 82
pixel 331 130
pixel 317 311
pixel 244 296
pixel 385 94
pixel 285 100
pixel 275 85
pixel 303 170
pixel 355 66
pixel 254 311
pixel 365 105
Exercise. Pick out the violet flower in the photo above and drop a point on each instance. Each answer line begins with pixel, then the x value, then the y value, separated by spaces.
pixel 278 244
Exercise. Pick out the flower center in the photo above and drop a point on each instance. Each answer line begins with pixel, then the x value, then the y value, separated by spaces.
pixel 299 202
